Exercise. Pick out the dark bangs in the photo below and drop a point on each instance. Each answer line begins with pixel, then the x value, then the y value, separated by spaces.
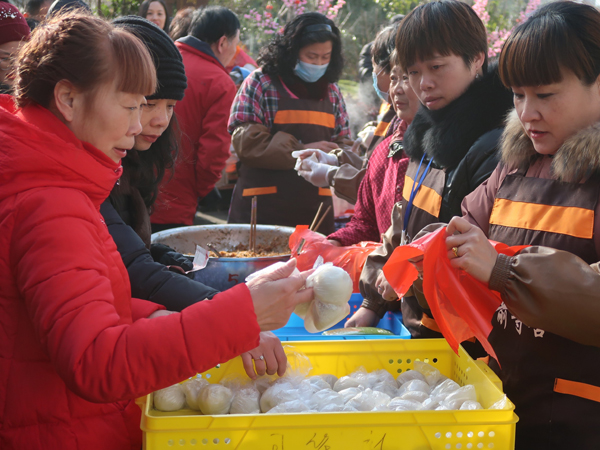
pixel 559 35
pixel 441 27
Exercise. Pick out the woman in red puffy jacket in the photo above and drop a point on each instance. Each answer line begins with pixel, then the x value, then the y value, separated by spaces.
pixel 75 348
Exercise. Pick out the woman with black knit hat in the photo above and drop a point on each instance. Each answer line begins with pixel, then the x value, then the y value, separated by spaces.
pixel 126 211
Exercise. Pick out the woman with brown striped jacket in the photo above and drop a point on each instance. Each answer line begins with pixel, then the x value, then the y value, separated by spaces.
pixel 545 193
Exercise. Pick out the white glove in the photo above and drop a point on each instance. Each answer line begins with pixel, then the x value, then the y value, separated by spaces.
pixel 316 173
pixel 322 157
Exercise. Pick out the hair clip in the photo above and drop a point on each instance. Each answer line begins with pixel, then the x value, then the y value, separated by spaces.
pixel 318 27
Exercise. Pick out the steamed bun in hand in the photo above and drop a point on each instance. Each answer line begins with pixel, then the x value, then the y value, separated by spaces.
pixel 332 288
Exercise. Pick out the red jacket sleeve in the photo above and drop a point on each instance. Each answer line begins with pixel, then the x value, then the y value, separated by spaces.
pixel 363 225
pixel 215 141
pixel 61 269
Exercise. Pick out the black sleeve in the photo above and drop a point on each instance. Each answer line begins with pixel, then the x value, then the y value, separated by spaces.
pixel 151 280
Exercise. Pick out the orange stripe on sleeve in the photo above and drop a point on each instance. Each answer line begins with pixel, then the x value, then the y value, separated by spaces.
pixel 305 117
pixel 569 220
pixel 325 191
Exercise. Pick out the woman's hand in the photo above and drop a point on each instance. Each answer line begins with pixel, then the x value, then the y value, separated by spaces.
pixel 362 318
pixel 334 242
pixel 325 146
pixel 276 294
pixel 470 250
pixel 274 359
pixel 384 288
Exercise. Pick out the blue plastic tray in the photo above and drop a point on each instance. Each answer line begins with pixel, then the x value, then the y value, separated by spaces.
pixel 294 330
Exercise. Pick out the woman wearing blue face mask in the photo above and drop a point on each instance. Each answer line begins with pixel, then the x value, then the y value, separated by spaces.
pixel 292 102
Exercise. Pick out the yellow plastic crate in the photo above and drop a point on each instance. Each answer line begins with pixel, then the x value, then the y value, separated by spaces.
pixel 419 430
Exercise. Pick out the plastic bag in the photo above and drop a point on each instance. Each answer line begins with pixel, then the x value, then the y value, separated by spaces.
pixel 280 392
pixel 215 399
pixel 417 396
pixel 292 406
pixel 462 306
pixel 332 288
pixel 400 404
pixel 414 385
pixel 191 389
pixel 470 405
pixel 320 400
pixel 346 382
pixel 307 245
pixel 409 375
pixel 331 379
pixel 503 403
pixel 431 374
pixel 246 401
pixel 171 398
pixel 367 400
pixel 350 393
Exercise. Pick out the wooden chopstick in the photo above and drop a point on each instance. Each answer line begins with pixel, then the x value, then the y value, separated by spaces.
pixel 312 225
pixel 253 225
pixel 322 218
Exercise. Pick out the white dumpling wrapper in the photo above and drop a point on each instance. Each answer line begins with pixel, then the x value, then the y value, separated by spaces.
pixel 215 399
pixel 171 398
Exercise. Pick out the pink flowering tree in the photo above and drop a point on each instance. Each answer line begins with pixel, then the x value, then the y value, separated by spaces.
pixel 497 35
pixel 275 15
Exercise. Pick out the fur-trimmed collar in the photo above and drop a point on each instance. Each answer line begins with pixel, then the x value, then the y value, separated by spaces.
pixel 575 160
pixel 447 134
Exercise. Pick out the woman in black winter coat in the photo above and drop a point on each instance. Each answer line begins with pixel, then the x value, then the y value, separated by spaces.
pixel 127 210
pixel 452 142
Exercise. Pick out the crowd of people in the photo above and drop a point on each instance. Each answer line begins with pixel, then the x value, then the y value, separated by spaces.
pixel 110 131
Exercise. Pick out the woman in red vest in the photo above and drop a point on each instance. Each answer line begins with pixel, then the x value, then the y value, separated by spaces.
pixel 291 103
pixel 545 193
pixel 75 348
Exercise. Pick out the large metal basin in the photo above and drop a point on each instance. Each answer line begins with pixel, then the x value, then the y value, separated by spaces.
pixel 223 273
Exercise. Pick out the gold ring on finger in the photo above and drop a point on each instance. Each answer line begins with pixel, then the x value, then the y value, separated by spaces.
pixel 455 251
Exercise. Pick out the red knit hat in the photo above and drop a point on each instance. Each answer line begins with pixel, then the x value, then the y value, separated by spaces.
pixel 13 26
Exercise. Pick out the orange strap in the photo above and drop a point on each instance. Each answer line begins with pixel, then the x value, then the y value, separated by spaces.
pixel 325 191
pixel 430 323
pixel 290 116
pixel 577 389
pixel 259 191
